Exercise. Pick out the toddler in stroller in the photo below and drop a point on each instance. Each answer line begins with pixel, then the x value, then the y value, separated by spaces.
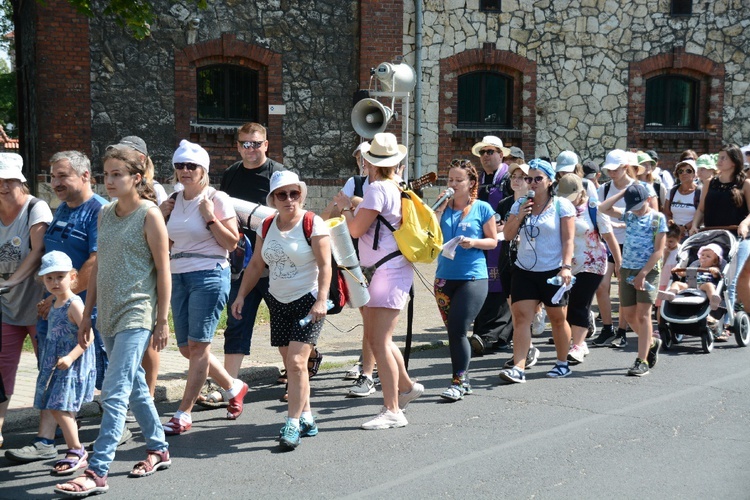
pixel 709 274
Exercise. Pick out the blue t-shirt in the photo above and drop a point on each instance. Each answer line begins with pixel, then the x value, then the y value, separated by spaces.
pixel 74 231
pixel 641 234
pixel 469 263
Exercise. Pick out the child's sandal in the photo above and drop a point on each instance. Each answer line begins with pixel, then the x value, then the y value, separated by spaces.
pixel 74 460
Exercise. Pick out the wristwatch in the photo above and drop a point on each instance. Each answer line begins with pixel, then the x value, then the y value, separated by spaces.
pixel 210 223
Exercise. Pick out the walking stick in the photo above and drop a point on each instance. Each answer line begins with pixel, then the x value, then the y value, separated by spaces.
pixel 409 325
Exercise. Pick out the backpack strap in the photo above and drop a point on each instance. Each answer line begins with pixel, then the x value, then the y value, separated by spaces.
pixel 307 226
pixel 672 193
pixel 592 215
pixel 266 225
pixel 607 185
pixel 359 184
pixel 697 197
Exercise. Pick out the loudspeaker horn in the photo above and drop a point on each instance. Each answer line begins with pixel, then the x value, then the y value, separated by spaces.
pixel 370 117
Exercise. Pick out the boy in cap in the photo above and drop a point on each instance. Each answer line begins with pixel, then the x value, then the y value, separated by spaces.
pixel 642 250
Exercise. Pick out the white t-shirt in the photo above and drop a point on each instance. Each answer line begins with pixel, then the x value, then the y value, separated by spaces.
pixel 187 229
pixel 540 247
pixel 683 207
pixel 348 188
pixel 293 271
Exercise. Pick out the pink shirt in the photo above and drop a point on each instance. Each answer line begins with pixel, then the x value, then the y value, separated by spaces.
pixel 385 198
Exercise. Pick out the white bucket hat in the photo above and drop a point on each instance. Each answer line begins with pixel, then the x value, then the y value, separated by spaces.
pixel 10 166
pixel 385 151
pixel 492 141
pixel 363 147
pixel 284 178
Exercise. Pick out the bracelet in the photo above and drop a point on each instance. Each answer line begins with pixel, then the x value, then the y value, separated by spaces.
pixel 567 266
pixel 210 223
pixel 348 209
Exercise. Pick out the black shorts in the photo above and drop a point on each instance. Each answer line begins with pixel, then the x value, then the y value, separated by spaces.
pixel 285 321
pixel 609 254
pixel 532 285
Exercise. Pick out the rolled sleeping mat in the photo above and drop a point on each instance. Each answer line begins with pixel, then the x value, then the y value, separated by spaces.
pixel 251 215
pixel 345 255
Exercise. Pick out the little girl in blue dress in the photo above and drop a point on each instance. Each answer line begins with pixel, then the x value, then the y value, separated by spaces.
pixel 67 373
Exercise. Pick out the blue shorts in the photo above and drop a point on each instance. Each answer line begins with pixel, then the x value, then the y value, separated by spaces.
pixel 198 298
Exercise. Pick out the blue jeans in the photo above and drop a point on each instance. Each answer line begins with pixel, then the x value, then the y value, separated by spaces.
pixel 198 298
pixel 743 251
pixel 125 381
pixel 239 333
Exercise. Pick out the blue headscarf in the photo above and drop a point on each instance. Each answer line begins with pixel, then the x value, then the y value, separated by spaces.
pixel 544 166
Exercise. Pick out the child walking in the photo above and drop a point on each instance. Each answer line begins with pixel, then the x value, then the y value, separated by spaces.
pixel 131 283
pixel 67 372
pixel 642 251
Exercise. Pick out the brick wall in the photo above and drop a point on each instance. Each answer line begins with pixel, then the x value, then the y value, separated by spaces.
pixel 669 145
pixel 381 35
pixel 62 86
pixel 457 143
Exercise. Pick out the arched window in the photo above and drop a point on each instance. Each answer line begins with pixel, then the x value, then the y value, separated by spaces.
pixel 485 100
pixel 227 94
pixel 672 103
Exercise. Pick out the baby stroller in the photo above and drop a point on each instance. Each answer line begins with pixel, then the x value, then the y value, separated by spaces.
pixel 688 313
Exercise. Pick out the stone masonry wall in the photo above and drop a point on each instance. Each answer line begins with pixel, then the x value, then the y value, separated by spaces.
pixel 583 49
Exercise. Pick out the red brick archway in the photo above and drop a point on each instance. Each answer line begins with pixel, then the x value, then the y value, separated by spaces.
pixel 219 140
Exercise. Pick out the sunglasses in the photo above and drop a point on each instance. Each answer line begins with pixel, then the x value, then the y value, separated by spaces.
pixel 283 195
pixel 685 171
pixel 488 152
pixel 189 166
pixel 537 179
pixel 251 144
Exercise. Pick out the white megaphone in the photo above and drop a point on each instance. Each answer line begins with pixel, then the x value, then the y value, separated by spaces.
pixel 396 77
pixel 370 117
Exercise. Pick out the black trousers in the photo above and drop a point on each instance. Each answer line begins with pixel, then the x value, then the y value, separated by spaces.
pixel 494 321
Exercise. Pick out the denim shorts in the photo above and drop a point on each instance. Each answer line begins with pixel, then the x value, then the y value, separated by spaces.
pixel 198 298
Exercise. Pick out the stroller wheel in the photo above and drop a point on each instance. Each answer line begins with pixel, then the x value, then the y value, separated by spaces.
pixel 742 329
pixel 667 337
pixel 707 341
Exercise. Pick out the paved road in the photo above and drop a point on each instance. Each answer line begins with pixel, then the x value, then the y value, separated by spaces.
pixel 680 432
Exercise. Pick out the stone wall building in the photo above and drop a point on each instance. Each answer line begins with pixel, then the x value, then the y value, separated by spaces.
pixel 548 75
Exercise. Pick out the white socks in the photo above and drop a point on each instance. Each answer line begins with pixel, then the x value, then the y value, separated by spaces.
pixel 235 389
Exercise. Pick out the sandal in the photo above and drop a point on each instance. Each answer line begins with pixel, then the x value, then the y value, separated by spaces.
pixel 559 371
pixel 313 364
pixel 175 427
pixel 282 377
pixel 453 393
pixel 74 459
pixel 215 399
pixel 722 337
pixel 146 468
pixel 80 490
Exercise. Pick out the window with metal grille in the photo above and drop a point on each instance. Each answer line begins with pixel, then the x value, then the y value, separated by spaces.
pixel 490 5
pixel 672 103
pixel 681 7
pixel 227 93
pixel 485 100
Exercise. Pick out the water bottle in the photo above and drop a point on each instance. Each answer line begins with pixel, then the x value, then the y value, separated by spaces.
pixel 306 320
pixel 557 280
pixel 648 286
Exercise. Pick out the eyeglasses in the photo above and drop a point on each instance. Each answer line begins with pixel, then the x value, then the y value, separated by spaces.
pixel 488 152
pixel 251 144
pixel 537 179
pixel 189 166
pixel 685 171
pixel 283 195
pixel 460 163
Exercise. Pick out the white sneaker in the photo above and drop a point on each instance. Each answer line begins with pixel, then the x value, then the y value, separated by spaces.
pixel 386 419
pixel 539 324
pixel 354 373
pixel 404 398
pixel 575 354
pixel 585 348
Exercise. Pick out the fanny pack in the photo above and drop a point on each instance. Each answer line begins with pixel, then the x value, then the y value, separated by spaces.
pixel 369 271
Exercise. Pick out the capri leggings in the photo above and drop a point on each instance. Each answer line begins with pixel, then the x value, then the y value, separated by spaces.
pixel 459 302
pixel 581 295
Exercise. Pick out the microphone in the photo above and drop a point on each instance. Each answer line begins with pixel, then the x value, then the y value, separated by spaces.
pixel 530 194
pixel 446 196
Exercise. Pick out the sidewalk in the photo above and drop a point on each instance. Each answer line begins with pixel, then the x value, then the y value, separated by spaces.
pixel 340 343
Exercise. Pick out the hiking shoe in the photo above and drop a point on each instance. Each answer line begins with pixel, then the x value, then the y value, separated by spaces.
pixel 364 386
pixel 289 436
pixel 619 342
pixel 387 419
pixel 653 353
pixel 575 354
pixel 639 369
pixel 592 325
pixel 32 453
pixel 539 323
pixel 513 375
pixel 404 398
pixel 606 335
pixel 477 345
pixel 559 371
pixel 353 373
pixel 308 429
pixel 532 356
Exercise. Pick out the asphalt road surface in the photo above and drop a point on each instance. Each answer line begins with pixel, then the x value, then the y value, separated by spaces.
pixel 680 432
